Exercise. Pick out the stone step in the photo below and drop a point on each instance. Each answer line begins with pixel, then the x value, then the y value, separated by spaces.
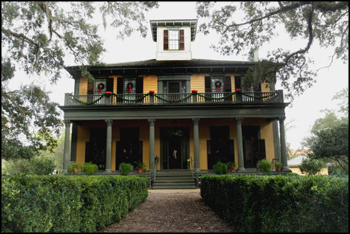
pixel 174 187
pixel 172 180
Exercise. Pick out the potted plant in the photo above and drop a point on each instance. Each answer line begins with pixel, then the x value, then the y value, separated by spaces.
pixel 75 168
pixel 265 166
pixel 231 166
pixel 278 166
pixel 141 166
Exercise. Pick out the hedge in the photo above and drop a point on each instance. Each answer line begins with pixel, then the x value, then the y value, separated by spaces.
pixel 58 203
pixel 254 203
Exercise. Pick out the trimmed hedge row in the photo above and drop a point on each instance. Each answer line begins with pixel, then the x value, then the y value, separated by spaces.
pixel 254 203
pixel 31 203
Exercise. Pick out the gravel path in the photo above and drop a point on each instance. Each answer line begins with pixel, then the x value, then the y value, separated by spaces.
pixel 171 211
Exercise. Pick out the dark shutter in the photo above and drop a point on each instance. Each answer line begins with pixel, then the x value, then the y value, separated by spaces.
pixel 165 41
pixel 182 40
pixel 90 89
pixel 110 84
pixel 210 158
pixel 207 84
pixel 139 85
pixel 120 87
pixel 227 84
pixel 237 82
pixel 227 81
pixel 207 87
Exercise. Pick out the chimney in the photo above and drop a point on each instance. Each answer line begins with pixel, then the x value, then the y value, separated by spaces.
pixel 256 55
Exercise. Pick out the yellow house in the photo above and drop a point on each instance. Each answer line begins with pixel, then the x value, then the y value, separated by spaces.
pixel 187 113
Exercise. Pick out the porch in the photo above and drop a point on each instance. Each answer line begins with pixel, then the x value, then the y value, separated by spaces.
pixel 181 145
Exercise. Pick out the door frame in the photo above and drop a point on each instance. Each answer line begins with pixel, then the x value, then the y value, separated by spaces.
pixel 164 140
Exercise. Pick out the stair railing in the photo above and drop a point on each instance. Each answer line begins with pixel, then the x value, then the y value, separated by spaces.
pixel 194 172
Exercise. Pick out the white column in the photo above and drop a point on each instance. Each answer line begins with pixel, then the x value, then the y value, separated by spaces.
pixel 240 144
pixel 109 123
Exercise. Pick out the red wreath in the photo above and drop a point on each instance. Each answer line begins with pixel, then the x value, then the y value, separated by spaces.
pixel 218 85
pixel 129 86
pixel 101 86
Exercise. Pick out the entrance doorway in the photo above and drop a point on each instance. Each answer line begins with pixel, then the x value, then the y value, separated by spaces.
pixel 253 146
pixel 174 148
pixel 220 147
pixel 96 148
pixel 129 148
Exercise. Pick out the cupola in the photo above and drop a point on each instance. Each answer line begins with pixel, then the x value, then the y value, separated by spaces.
pixel 174 38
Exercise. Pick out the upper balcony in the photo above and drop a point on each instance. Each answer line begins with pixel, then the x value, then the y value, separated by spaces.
pixel 194 98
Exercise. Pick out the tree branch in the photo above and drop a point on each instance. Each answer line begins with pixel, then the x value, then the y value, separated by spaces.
pixel 311 37
pixel 281 10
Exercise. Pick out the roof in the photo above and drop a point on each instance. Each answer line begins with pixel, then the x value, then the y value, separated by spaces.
pixel 294 162
pixel 174 23
pixel 166 67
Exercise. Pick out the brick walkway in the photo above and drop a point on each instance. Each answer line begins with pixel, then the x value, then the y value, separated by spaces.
pixel 171 211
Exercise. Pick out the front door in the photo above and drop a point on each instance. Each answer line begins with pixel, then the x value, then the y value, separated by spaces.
pixel 174 152
pixel 220 147
pixel 253 146
pixel 96 148
pixel 129 148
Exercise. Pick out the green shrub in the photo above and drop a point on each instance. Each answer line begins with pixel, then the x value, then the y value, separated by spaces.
pixel 220 168
pixel 254 203
pixel 59 203
pixel 90 168
pixel 39 165
pixel 265 166
pixel 311 166
pixel 125 168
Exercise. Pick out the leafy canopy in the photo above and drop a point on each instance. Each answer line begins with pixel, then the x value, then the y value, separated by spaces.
pixel 330 135
pixel 39 37
pixel 325 22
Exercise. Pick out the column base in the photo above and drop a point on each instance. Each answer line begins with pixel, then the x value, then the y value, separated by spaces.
pixel 241 169
pixel 108 171
pixel 287 169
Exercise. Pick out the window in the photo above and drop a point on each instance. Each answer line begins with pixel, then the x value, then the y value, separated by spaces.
pixel 174 39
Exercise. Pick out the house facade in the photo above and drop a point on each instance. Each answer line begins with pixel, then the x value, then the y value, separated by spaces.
pixel 172 112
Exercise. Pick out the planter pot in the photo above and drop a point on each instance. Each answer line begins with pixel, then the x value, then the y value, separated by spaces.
pixel 139 170
pixel 233 169
pixel 278 169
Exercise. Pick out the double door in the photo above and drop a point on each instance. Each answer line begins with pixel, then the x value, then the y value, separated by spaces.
pixel 174 148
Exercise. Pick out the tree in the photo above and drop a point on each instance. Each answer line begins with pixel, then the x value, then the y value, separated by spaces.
pixel 38 37
pixel 332 143
pixel 325 22
pixel 329 135
pixel 311 166
pixel 29 115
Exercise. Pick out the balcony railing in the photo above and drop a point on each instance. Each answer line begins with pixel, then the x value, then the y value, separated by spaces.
pixel 151 98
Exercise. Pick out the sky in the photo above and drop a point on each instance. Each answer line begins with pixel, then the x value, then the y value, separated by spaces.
pixel 300 115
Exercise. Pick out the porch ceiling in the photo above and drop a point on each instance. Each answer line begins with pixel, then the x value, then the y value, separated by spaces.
pixel 173 112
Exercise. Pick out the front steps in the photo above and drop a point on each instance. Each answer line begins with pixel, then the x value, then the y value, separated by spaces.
pixel 174 180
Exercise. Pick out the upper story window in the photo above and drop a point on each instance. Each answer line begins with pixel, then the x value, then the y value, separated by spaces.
pixel 174 39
